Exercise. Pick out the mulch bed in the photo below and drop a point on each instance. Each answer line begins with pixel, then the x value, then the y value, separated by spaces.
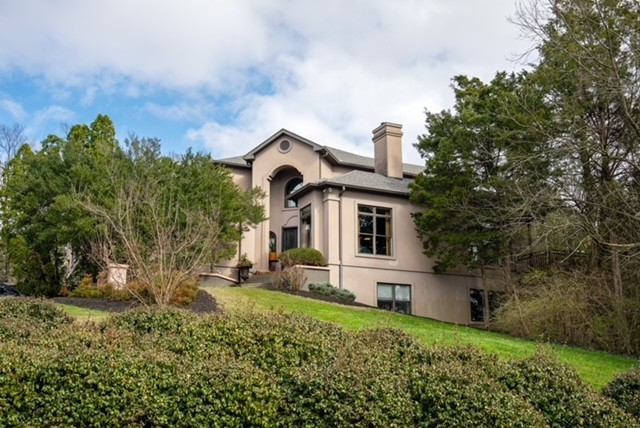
pixel 204 304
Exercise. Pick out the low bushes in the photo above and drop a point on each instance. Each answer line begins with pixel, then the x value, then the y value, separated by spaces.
pixel 624 390
pixel 172 368
pixel 23 317
pixel 184 295
pixel 559 394
pixel 329 290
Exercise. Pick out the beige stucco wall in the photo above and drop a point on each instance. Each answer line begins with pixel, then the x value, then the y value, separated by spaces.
pixel 443 297
pixel 335 231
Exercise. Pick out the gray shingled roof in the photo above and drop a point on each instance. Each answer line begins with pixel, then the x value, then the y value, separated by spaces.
pixel 339 156
pixel 360 180
pixel 363 161
pixel 234 161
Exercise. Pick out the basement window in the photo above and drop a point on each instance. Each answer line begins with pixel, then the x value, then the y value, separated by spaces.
pixel 394 297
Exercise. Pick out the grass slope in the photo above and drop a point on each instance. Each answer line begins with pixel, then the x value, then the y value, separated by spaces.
pixel 596 367
pixel 83 314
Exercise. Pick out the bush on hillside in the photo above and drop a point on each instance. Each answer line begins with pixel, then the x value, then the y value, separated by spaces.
pixel 558 393
pixel 24 317
pixel 302 256
pixel 173 368
pixel 327 289
pixel 624 390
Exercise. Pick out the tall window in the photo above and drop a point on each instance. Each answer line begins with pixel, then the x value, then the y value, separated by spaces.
pixel 374 234
pixel 476 300
pixel 305 227
pixel 289 238
pixel 394 297
pixel 291 186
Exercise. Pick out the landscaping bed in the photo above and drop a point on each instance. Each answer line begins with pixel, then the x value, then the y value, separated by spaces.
pixel 204 303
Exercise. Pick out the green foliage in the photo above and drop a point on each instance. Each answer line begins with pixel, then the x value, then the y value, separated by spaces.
pixel 23 317
pixel 329 290
pixel 558 392
pixel 170 216
pixel 302 256
pixel 149 320
pixel 48 234
pixel 88 291
pixel 172 368
pixel 624 390
pixel 473 155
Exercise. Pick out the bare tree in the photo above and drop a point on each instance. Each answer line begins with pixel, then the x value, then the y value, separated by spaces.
pixel 11 139
pixel 163 241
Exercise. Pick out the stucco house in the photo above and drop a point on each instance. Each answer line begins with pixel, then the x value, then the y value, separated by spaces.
pixel 356 211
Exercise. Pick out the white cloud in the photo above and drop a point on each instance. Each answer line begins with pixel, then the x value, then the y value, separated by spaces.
pixel 14 109
pixel 42 119
pixel 329 70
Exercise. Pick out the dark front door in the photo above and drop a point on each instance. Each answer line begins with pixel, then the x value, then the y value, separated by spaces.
pixel 289 238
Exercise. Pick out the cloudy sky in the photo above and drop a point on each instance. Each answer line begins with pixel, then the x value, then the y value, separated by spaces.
pixel 222 76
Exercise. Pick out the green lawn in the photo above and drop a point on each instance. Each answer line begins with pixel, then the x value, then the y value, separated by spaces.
pixel 595 367
pixel 84 314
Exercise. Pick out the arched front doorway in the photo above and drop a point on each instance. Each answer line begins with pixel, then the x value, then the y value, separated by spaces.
pixel 283 215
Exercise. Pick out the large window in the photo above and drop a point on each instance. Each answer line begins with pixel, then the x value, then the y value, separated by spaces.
pixel 291 186
pixel 305 227
pixel 374 232
pixel 476 300
pixel 394 297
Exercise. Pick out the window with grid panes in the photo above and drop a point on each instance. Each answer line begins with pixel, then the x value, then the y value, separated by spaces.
pixel 374 230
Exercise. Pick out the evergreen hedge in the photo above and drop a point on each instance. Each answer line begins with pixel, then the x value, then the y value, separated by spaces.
pixel 624 390
pixel 172 368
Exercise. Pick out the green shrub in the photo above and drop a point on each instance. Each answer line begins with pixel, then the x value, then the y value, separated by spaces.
pixel 624 390
pixel 452 393
pixel 302 256
pixel 88 291
pixel 559 394
pixel 24 317
pixel 153 320
pixel 173 368
pixel 327 289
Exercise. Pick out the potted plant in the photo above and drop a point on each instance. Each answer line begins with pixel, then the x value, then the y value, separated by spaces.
pixel 244 265
pixel 273 255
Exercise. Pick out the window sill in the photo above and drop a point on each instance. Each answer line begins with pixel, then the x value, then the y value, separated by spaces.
pixel 375 256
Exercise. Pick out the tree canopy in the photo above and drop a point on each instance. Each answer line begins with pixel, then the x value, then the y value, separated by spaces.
pixel 83 201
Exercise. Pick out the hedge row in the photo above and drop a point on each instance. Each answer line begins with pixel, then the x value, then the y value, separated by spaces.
pixel 173 368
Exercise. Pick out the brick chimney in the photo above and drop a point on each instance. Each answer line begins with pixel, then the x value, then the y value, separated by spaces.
pixel 387 140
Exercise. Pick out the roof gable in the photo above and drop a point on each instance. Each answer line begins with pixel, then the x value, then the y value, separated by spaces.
pixel 249 157
pixel 333 155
